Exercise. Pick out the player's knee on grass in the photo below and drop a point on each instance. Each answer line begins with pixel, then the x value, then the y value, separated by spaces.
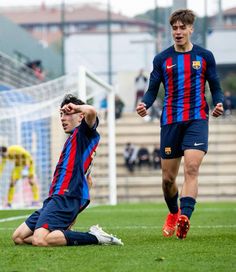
pixel 39 237
pixel 54 238
pixel 17 239
pixel 21 233
pixel 38 241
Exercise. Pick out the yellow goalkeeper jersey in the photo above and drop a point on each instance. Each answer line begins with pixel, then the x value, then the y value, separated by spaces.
pixel 18 155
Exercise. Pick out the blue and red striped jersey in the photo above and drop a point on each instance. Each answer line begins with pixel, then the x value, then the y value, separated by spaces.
pixel 184 76
pixel 75 162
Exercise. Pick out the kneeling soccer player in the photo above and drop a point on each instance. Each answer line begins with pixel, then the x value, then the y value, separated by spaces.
pixel 69 190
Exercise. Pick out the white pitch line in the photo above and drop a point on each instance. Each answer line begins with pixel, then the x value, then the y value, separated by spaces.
pixel 145 227
pixel 159 210
pixel 13 218
pixel 155 210
pixel 160 227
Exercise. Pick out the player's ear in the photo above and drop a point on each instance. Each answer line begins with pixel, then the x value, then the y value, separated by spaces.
pixel 81 116
pixel 191 29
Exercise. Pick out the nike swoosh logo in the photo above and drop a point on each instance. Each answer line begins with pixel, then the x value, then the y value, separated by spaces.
pixel 170 66
pixel 197 144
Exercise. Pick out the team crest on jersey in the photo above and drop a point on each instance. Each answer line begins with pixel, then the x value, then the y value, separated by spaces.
pixel 168 150
pixel 196 64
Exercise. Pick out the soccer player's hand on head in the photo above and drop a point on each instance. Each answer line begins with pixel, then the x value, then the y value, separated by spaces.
pixel 218 110
pixel 141 109
pixel 70 108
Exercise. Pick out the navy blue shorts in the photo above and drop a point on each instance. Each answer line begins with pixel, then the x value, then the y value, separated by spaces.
pixel 177 137
pixel 58 213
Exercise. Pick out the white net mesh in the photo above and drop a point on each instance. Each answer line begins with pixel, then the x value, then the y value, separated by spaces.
pixel 29 117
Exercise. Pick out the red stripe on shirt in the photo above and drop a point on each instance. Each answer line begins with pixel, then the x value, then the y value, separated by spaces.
pixel 89 159
pixel 187 86
pixel 69 167
pixel 55 176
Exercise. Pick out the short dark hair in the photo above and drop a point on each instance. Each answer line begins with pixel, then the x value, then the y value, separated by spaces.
pixel 70 98
pixel 186 16
pixel 3 149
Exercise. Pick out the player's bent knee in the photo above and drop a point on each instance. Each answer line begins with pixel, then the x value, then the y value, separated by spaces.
pixel 15 237
pixel 40 237
pixel 192 169
pixel 17 240
pixel 40 242
pixel 168 180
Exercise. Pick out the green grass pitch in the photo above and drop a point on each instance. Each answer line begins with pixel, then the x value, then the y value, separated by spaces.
pixel 210 244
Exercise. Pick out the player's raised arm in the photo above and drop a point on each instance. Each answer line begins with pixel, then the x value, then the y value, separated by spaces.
pixel 90 115
pixel 88 111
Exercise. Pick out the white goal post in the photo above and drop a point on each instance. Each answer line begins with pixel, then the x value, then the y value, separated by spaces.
pixel 83 74
pixel 30 117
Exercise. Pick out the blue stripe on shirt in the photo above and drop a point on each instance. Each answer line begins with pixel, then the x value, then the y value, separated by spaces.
pixel 89 148
pixel 63 168
pixel 85 190
pixel 180 88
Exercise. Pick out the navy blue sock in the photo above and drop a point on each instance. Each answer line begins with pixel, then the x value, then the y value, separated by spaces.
pixel 187 204
pixel 76 238
pixel 172 203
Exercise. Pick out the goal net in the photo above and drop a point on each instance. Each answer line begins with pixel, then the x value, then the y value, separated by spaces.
pixel 29 118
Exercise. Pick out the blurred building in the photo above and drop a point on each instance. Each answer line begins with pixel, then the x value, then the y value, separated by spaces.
pixel 221 40
pixel 85 38
pixel 23 60
pixel 229 18
pixel 45 23
pixel 80 34
pixel 179 4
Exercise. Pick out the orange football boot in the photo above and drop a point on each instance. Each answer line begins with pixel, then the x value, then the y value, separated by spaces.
pixel 183 226
pixel 170 224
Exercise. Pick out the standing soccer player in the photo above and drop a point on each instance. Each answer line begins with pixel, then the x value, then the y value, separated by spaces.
pixel 23 168
pixel 183 69
pixel 69 191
